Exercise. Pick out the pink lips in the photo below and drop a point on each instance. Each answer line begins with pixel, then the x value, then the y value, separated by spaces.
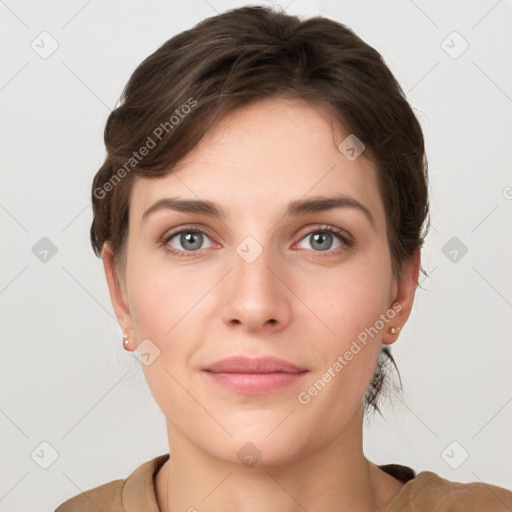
pixel 254 376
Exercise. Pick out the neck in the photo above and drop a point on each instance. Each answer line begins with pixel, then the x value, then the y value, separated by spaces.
pixel 337 478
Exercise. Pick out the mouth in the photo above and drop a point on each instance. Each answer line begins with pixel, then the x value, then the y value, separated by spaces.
pixel 254 376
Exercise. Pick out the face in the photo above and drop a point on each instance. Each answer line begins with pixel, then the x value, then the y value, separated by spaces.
pixel 266 277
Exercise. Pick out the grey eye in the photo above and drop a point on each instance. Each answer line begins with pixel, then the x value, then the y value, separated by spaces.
pixel 322 240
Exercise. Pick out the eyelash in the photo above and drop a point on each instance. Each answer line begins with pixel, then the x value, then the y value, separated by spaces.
pixel 347 241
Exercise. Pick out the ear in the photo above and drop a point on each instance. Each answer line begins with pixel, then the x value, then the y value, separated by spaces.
pixel 405 290
pixel 117 290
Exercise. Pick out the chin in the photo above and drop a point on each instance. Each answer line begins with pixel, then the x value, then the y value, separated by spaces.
pixel 252 448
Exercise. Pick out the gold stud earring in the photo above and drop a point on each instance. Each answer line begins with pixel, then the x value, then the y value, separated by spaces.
pixel 394 330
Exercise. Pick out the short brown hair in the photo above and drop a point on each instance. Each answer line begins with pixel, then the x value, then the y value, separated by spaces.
pixel 249 54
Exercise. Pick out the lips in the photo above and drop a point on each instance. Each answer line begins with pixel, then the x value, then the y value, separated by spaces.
pixel 246 376
pixel 240 364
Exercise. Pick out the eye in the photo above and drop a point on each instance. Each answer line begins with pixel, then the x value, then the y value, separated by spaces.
pixel 322 239
pixel 186 240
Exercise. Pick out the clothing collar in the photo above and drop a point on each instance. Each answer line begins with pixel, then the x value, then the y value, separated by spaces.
pixel 138 492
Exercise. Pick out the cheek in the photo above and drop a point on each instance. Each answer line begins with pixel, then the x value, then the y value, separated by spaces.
pixel 163 312
pixel 168 310
pixel 152 311
pixel 159 298
pixel 347 353
pixel 350 316
pixel 347 302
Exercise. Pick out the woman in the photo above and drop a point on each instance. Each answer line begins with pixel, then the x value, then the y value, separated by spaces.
pixel 260 216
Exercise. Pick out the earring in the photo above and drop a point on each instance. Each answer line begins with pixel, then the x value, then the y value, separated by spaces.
pixel 394 330
pixel 126 342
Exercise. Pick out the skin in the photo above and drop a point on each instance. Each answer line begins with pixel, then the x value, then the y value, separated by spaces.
pixel 212 303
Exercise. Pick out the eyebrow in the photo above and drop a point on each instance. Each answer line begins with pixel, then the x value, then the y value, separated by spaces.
pixel 299 207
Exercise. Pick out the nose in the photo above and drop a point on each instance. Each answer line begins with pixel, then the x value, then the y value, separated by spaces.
pixel 255 294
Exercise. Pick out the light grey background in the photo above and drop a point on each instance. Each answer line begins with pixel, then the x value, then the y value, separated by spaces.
pixel 65 378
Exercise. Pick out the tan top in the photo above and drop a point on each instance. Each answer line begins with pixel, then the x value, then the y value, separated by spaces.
pixel 425 492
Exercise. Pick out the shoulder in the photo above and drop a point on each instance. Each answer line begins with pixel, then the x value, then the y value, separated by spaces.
pixel 106 497
pixel 430 492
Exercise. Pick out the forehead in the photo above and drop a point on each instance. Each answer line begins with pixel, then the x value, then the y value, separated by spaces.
pixel 263 156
